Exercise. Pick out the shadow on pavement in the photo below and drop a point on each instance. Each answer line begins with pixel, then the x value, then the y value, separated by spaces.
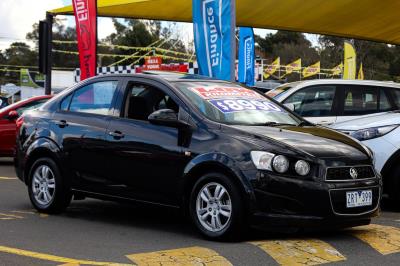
pixel 131 215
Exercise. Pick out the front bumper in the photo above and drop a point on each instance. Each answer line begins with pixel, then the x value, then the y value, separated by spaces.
pixel 290 202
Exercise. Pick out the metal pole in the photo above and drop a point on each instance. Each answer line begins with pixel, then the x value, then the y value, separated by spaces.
pixel 49 19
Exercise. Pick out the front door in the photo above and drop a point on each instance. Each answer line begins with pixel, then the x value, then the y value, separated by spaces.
pixel 146 160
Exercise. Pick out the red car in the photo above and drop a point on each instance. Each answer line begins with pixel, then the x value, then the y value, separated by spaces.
pixel 8 117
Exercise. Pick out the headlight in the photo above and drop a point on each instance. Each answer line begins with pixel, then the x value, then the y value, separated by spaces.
pixel 302 168
pixel 262 160
pixel 371 133
pixel 280 164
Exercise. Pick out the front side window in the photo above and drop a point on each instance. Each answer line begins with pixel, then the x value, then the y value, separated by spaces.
pixel 314 101
pixel 230 103
pixel 360 100
pixel 95 98
pixel 143 99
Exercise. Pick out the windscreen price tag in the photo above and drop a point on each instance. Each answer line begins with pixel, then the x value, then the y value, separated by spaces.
pixel 238 105
pixel 213 92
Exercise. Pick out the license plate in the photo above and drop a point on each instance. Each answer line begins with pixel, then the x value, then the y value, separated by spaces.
pixel 359 198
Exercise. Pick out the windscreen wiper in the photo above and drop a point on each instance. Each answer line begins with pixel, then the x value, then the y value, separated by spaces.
pixel 275 124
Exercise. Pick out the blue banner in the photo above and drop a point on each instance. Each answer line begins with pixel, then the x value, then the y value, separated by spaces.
pixel 214 23
pixel 246 56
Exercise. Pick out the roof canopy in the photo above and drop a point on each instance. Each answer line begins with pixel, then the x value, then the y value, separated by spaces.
pixel 376 20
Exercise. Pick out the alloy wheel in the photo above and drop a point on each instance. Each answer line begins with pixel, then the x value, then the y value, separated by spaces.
pixel 43 185
pixel 214 207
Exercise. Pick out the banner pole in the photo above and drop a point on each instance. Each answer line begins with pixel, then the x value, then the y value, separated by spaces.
pixel 49 20
pixel 233 40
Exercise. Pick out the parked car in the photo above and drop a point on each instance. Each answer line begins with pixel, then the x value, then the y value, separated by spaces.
pixel 381 133
pixel 266 86
pixel 332 101
pixel 227 154
pixel 8 117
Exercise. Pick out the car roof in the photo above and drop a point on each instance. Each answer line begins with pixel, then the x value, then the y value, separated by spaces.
pixel 164 75
pixel 306 83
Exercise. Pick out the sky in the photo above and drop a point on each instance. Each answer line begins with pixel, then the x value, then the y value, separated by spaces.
pixel 18 16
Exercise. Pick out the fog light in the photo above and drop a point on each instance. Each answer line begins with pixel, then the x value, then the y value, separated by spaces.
pixel 302 167
pixel 280 164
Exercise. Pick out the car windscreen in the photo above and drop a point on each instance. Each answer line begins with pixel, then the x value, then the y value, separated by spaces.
pixel 230 103
pixel 278 91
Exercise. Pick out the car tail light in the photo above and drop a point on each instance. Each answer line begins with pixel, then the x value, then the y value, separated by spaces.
pixel 19 123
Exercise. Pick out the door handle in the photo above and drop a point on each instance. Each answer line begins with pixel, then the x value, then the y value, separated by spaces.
pixel 116 135
pixel 62 124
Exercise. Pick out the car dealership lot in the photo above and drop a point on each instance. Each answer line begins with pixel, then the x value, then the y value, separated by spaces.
pixel 94 232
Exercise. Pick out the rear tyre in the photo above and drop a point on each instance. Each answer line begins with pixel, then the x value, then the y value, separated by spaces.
pixel 47 190
pixel 216 207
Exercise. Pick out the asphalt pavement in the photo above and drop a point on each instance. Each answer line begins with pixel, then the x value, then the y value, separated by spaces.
pixel 93 232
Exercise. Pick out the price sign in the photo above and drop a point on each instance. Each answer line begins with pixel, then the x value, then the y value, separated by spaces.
pixel 237 105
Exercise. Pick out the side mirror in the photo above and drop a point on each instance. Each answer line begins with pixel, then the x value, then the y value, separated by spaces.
pixel 290 106
pixel 12 115
pixel 166 117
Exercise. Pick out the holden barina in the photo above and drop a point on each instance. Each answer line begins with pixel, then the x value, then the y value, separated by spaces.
pixel 228 155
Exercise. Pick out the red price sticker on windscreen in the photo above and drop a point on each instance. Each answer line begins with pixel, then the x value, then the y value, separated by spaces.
pixel 225 92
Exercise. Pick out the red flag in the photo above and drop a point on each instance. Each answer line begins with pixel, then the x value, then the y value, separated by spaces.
pixel 86 30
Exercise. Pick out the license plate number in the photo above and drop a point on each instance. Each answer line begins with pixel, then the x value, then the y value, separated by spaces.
pixel 359 198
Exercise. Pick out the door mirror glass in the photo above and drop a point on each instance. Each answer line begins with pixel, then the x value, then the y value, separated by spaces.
pixel 12 115
pixel 165 117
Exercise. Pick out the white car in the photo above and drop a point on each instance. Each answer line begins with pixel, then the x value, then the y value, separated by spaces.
pixel 329 101
pixel 381 133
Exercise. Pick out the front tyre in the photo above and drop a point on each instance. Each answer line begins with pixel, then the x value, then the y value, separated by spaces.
pixel 47 191
pixel 216 207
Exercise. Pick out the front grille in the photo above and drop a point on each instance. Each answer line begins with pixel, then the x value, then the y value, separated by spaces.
pixel 344 173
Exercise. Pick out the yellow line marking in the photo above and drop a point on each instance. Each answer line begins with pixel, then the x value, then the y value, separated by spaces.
pixel 58 259
pixel 180 257
pixel 12 216
pixel 384 239
pixel 300 252
pixel 7 178
pixel 24 212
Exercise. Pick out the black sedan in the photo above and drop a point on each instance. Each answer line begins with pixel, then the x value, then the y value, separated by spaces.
pixel 227 154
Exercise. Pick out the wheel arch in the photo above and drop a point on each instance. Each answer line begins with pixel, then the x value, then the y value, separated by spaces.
pixel 41 148
pixel 219 163
pixel 390 163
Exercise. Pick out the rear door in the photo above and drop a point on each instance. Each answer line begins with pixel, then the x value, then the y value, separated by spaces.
pixel 317 104
pixel 80 125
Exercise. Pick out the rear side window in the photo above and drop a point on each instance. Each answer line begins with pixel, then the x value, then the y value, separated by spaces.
pixel 360 100
pixel 95 98
pixel 384 103
pixel 396 94
pixel 314 101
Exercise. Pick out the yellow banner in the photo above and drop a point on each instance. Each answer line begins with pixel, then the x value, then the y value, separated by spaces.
pixel 360 72
pixel 337 70
pixel 272 68
pixel 312 70
pixel 294 66
pixel 349 69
